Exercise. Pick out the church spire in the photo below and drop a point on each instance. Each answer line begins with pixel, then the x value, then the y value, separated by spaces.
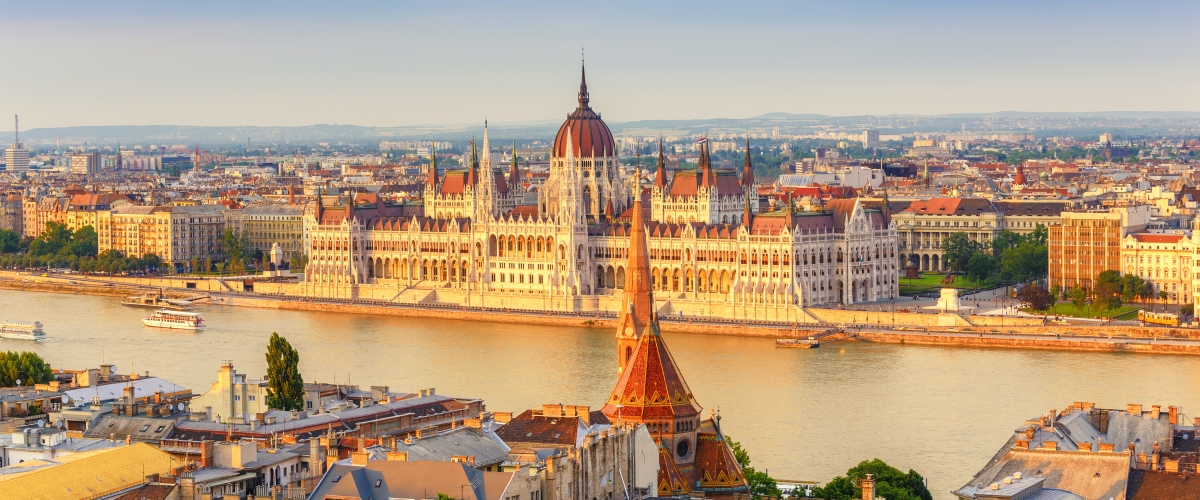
pixel 660 177
pixel 433 177
pixel 747 216
pixel 514 171
pixel 471 175
pixel 583 92
pixel 747 170
pixel 637 303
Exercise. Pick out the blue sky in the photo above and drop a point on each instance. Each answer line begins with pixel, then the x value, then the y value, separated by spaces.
pixel 405 63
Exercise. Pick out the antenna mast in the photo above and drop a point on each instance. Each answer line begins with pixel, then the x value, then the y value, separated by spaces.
pixel 16 128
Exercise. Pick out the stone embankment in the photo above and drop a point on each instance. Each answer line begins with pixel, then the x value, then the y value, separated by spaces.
pixel 904 328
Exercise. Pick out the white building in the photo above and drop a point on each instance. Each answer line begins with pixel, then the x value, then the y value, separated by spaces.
pixel 233 398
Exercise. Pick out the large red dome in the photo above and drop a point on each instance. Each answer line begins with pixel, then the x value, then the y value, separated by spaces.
pixel 590 135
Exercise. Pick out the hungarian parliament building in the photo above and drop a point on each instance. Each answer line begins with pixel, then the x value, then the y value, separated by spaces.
pixel 475 241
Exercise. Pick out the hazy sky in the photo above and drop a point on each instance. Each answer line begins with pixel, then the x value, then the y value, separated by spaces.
pixel 406 63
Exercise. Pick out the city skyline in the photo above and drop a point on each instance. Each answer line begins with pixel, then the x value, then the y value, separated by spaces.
pixel 403 65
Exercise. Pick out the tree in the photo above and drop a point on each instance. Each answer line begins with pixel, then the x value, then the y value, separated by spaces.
pixel 235 244
pixel 1108 293
pixel 54 238
pixel 25 366
pixel 443 496
pixel 1004 241
pixel 285 386
pixel 1079 298
pixel 1187 310
pixel 1054 294
pixel 980 267
pixel 298 263
pixel 957 250
pixel 761 484
pixel 84 242
pixel 1035 296
pixel 10 241
pixel 890 483
pixel 1131 286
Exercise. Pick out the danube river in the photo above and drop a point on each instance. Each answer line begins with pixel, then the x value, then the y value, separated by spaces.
pixel 804 414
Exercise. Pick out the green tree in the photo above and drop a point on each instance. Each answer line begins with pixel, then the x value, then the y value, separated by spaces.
pixel 208 264
pixel 1187 310
pixel 1131 286
pixel 1108 293
pixel 443 496
pixel 195 264
pixel 84 242
pixel 298 263
pixel 890 483
pixel 25 366
pixel 1078 297
pixel 761 485
pixel 53 239
pixel 1005 240
pixel 235 245
pixel 285 386
pixel 957 250
pixel 10 241
pixel 1055 291
pixel 980 267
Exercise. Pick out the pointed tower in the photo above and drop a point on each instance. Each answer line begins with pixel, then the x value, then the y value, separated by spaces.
pixel 117 161
pixel 514 172
pixel 433 177
pixel 651 389
pixel 485 181
pixel 472 177
pixel 638 299
pixel 660 175
pixel 747 171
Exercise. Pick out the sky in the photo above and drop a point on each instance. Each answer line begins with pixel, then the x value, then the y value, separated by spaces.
pixel 74 63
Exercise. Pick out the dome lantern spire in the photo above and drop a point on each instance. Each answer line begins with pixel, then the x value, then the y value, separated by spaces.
pixel 583 92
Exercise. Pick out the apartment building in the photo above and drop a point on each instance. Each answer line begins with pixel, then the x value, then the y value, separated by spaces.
pixel 268 224
pixel 1163 259
pixel 86 163
pixel 175 234
pixel 925 224
pixel 1087 242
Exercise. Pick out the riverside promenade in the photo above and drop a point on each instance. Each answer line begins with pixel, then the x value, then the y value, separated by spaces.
pixel 887 326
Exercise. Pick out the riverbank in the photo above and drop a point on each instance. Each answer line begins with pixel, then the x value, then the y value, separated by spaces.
pixel 868 325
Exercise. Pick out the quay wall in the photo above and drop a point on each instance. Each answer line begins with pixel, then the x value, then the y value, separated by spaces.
pixel 1065 344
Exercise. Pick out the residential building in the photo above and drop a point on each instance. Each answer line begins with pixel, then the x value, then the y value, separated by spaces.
pixel 233 398
pixel 267 224
pixel 1083 451
pixel 16 158
pixel 870 139
pixel 93 474
pixel 177 234
pixel 399 478
pixel 86 163
pixel 925 224
pixel 1164 259
pixel 1088 241
pixel 12 213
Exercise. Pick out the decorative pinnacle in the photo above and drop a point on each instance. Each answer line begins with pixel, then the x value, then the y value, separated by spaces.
pixel 583 91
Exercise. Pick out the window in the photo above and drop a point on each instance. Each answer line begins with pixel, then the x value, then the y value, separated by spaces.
pixel 251 397
pixel 237 397
pixel 144 428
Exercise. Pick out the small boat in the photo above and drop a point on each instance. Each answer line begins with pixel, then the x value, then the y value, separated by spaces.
pixel 807 343
pixel 18 330
pixel 166 318
pixel 156 300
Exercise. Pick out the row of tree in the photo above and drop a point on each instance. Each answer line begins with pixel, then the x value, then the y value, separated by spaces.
pixel 1112 290
pixel 1009 258
pixel 25 366
pixel 890 482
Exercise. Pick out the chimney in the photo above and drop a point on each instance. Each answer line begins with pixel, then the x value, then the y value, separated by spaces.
pixel 868 487
pixel 359 457
pixel 1021 444
pixel 1155 411
pixel 128 439
pixel 1173 415
pixel 1050 445
pixel 1134 409
pixel 1106 447
pixel 397 456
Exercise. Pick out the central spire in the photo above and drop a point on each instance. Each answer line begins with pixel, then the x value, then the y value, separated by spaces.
pixel 583 93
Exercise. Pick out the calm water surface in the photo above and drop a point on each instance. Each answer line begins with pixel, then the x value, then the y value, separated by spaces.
pixel 803 414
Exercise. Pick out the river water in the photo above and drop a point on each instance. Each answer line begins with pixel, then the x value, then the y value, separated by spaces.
pixel 804 414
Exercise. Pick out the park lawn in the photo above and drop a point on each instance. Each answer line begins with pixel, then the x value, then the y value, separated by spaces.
pixel 1069 309
pixel 930 282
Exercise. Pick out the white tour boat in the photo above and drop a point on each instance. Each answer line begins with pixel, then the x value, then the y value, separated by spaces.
pixel 22 331
pixel 166 318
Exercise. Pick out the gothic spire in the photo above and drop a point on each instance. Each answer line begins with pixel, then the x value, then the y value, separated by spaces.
pixel 747 171
pixel 471 176
pixel 433 178
pixel 583 92
pixel 660 177
pixel 514 172
pixel 747 216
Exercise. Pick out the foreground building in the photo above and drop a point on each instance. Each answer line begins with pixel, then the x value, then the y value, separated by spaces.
pixel 710 252
pixel 1085 452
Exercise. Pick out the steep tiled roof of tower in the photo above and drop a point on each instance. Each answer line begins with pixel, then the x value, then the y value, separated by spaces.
pixel 671 482
pixel 716 467
pixel 651 386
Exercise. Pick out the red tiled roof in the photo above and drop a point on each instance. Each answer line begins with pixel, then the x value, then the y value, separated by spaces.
pixel 1157 237
pixel 716 467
